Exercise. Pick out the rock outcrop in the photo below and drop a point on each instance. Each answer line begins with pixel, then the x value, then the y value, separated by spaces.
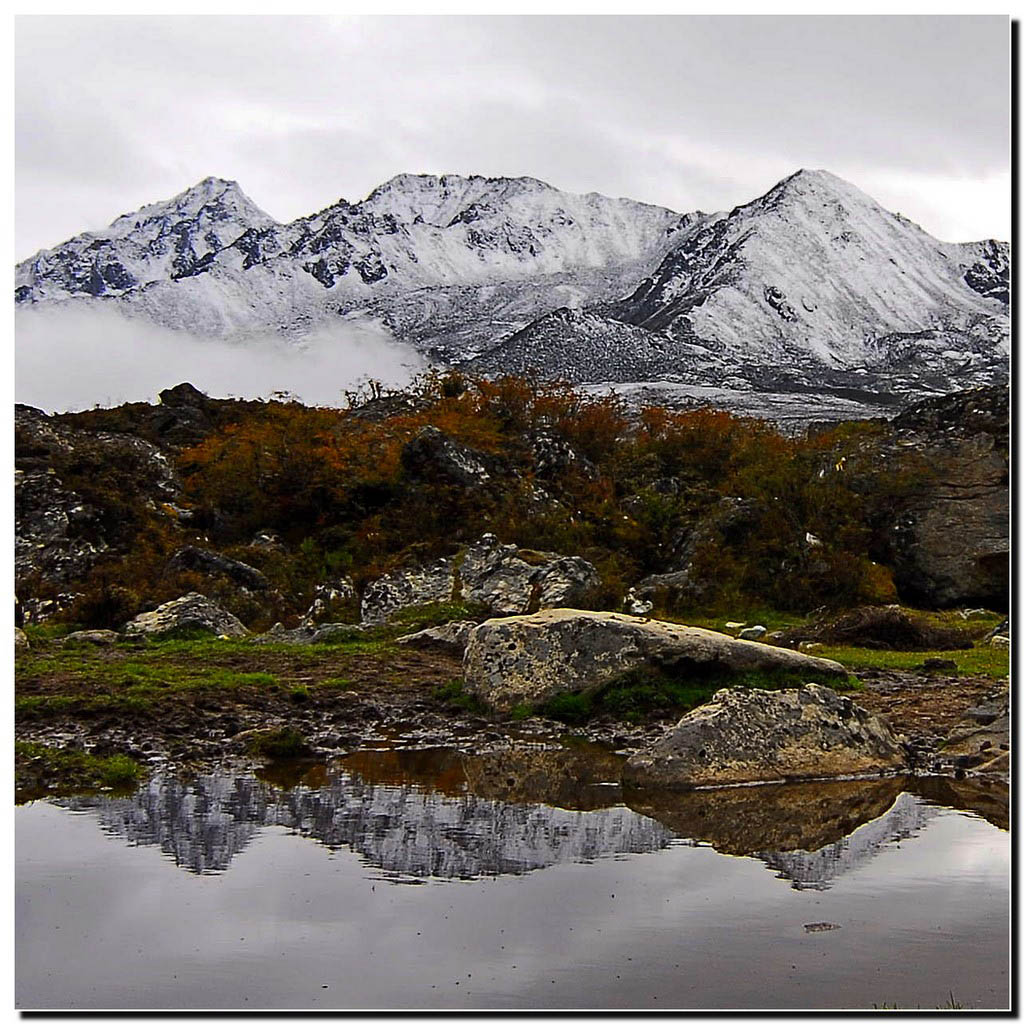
pixel 332 599
pixel 958 445
pixel 191 612
pixel 210 563
pixel 451 638
pixel 502 578
pixel 70 489
pixel 981 739
pixel 747 735
pixel 432 456
pixel 529 659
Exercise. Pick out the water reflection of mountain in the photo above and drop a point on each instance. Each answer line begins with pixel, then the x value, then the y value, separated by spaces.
pixel 441 814
pixel 400 828
pixel 818 869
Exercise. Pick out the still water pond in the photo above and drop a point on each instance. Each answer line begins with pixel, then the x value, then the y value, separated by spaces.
pixel 436 880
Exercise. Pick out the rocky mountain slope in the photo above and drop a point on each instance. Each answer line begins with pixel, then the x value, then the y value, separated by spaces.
pixel 811 289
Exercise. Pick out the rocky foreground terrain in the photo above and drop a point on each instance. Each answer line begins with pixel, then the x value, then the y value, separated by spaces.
pixel 202 580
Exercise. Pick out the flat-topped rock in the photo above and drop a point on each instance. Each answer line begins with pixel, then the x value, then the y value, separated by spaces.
pixel 528 659
pixel 451 638
pixel 746 735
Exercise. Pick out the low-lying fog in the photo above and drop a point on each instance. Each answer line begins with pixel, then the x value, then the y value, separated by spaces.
pixel 70 359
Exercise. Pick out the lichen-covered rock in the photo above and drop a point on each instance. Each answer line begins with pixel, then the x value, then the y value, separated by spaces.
pixel 20 639
pixel 511 581
pixel 451 638
pixel 191 612
pixel 502 578
pixel 748 735
pixel 529 659
pixel 407 588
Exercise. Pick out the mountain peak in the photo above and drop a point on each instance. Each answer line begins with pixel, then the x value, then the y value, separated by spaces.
pixel 813 186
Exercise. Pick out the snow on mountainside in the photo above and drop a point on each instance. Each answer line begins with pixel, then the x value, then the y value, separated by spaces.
pixel 815 268
pixel 812 289
pixel 426 254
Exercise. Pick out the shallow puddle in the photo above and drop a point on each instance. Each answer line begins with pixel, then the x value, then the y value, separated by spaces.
pixel 404 879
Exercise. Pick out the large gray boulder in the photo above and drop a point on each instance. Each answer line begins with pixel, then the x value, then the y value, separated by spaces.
pixel 191 612
pixel 502 578
pixel 508 580
pixel 746 735
pixel 528 659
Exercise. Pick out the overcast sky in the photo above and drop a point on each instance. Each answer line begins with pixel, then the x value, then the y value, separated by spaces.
pixel 689 113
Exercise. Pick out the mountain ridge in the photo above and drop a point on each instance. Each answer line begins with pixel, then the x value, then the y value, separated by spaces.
pixel 813 278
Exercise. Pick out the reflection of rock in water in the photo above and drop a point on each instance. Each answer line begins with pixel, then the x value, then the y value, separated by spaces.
pixel 988 798
pixel 809 832
pixel 746 819
pixel 818 869
pixel 403 829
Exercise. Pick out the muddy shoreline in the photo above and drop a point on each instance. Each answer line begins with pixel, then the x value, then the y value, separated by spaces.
pixel 394 698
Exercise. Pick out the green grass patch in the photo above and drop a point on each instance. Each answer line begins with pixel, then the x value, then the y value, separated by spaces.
pixel 978 661
pixel 338 683
pixel 454 694
pixel 39 768
pixel 642 691
pixel 278 743
pixel 423 616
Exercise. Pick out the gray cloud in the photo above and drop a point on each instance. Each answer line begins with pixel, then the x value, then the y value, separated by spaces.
pixel 686 112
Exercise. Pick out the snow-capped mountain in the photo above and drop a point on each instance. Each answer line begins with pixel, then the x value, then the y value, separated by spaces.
pixel 817 269
pixel 433 257
pixel 813 288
